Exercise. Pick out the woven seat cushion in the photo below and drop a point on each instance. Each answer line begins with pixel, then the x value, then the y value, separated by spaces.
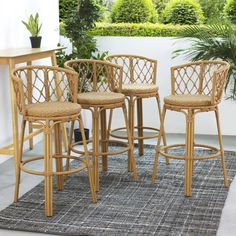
pixel 52 109
pixel 139 88
pixel 100 98
pixel 188 100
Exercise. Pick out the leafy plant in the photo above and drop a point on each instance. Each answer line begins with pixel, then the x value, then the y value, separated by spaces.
pixel 182 12
pixel 205 47
pixel 65 8
pixel 212 9
pixel 33 25
pixel 81 20
pixel 230 10
pixel 160 5
pixel 133 11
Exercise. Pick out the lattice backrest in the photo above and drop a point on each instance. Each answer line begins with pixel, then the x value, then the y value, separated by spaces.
pixel 96 75
pixel 34 84
pixel 136 69
pixel 195 78
pixel 219 81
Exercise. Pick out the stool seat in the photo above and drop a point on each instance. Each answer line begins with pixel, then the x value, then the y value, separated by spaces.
pixel 52 109
pixel 100 98
pixel 188 100
pixel 139 88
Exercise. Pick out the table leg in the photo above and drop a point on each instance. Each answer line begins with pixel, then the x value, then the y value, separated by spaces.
pixel 14 119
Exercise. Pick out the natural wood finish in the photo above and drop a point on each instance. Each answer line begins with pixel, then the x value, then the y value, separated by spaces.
pixel 12 57
pixel 43 87
pixel 101 79
pixel 139 82
pixel 196 79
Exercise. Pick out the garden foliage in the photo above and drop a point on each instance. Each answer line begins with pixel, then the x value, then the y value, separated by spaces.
pixel 135 11
pixel 182 12
pixel 230 10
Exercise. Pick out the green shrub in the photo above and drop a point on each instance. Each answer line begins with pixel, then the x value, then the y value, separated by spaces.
pixel 160 5
pixel 66 7
pixel 82 19
pixel 135 11
pixel 134 29
pixel 230 10
pixel 212 9
pixel 182 12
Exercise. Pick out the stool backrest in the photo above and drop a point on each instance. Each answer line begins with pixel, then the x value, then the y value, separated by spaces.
pixel 136 69
pixel 201 77
pixel 96 75
pixel 35 84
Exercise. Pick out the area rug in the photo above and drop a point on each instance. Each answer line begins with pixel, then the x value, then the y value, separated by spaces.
pixel 126 207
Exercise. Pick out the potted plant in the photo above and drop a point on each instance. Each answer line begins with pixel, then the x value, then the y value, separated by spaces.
pixel 34 27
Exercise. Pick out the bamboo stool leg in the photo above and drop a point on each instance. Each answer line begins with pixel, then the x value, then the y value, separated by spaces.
pixel 140 125
pixel 189 152
pixel 64 135
pixel 18 162
pixel 96 148
pixel 162 118
pixel 131 126
pixel 131 150
pixel 69 144
pixel 223 164
pixel 48 185
pixel 104 139
pixel 87 160
pixel 31 140
pixel 58 151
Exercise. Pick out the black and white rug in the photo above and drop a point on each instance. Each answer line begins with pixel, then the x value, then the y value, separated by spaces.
pixel 126 207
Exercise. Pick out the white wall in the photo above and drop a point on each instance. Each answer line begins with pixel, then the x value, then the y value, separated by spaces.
pixel 13 34
pixel 160 49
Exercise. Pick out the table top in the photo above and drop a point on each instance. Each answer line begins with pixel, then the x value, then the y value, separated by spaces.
pixel 18 52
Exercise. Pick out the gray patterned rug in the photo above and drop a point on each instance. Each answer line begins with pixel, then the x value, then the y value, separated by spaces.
pixel 126 207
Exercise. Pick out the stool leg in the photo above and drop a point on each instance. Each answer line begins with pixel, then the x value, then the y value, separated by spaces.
pixel 131 150
pixel 18 162
pixel 155 166
pixel 31 140
pixel 96 148
pixel 189 152
pixel 70 144
pixel 162 117
pixel 87 161
pixel 48 185
pixel 58 152
pixel 140 125
pixel 104 139
pixel 223 164
pixel 131 126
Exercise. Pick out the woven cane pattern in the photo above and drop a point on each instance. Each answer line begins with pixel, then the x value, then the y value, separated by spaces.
pixel 40 84
pixel 198 78
pixel 136 69
pixel 96 76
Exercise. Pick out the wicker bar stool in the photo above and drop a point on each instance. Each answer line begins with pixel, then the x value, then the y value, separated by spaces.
pixel 139 82
pixel 100 84
pixel 47 96
pixel 195 87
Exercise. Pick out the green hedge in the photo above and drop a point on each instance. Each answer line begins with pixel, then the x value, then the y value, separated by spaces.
pixel 132 29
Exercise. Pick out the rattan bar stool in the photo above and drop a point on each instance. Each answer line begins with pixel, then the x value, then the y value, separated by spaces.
pixel 99 86
pixel 195 87
pixel 47 96
pixel 139 82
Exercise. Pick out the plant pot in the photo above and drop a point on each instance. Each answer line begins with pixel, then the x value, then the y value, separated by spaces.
pixel 35 41
pixel 78 135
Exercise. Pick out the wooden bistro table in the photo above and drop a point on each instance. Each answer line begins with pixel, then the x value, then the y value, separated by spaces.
pixel 11 57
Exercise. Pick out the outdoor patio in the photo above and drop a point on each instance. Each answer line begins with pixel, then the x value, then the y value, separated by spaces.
pixel 143 188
